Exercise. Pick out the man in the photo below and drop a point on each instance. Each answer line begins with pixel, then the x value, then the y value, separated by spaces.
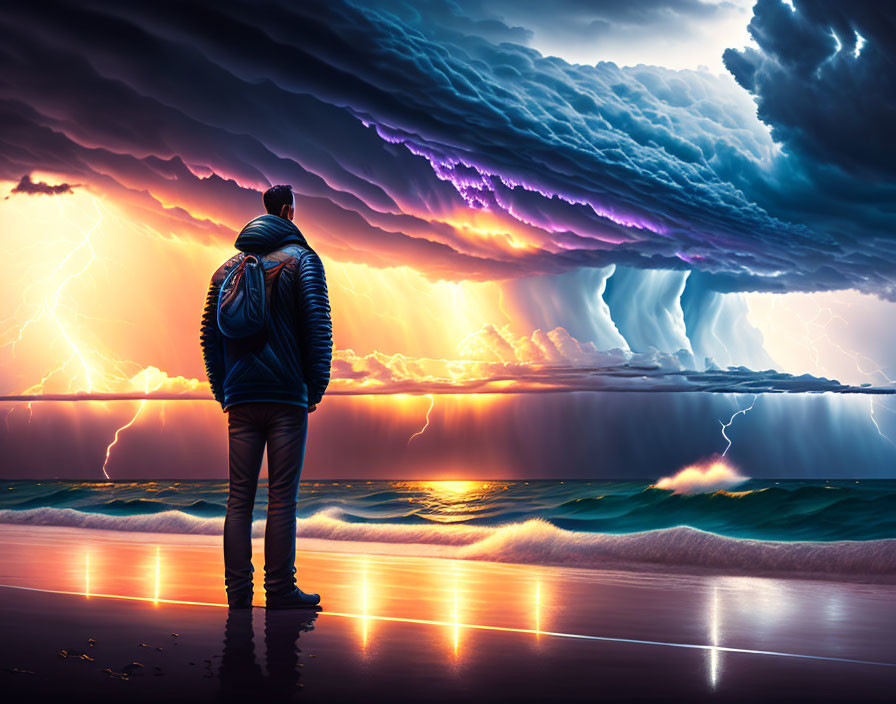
pixel 267 383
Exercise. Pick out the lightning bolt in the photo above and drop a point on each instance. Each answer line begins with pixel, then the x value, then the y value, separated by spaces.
pixel 725 426
pixel 147 374
pixel 432 402
pixel 50 308
pixel 811 340
pixel 855 356
pixel 117 433
pixel 93 370
pixel 50 305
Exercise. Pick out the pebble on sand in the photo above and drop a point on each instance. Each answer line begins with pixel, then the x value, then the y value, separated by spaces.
pixel 77 654
pixel 116 675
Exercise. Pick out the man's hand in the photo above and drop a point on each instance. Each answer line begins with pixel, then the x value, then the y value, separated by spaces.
pixel 312 407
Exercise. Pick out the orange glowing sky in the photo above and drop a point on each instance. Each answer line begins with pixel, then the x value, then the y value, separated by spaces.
pixel 103 294
pixel 110 305
pixel 106 294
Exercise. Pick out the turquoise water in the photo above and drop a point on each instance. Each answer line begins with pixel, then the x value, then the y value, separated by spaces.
pixel 756 509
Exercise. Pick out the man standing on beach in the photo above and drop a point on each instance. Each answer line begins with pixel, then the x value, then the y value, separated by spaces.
pixel 267 345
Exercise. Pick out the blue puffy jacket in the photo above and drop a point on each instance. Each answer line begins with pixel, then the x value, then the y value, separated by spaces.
pixel 288 361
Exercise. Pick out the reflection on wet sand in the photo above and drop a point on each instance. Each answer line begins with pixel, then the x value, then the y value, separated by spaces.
pixel 239 646
pixel 713 619
pixel 538 609
pixel 240 674
pixel 456 611
pixel 365 604
pixel 462 603
pixel 158 574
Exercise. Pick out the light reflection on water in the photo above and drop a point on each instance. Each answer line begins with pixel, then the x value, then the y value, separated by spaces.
pixel 451 501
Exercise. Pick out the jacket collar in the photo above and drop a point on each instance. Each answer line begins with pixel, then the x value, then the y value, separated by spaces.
pixel 267 233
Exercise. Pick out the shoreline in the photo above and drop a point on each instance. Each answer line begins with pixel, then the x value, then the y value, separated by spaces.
pixel 536 544
pixel 411 628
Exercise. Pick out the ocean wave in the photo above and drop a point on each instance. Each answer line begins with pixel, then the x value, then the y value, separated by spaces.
pixel 534 541
pixel 713 474
pixel 785 511
pixel 162 522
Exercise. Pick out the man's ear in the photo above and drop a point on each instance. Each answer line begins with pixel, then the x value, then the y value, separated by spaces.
pixel 284 211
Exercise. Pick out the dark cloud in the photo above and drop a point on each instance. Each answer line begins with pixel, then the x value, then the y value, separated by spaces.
pixel 390 121
pixel 26 185
pixel 824 82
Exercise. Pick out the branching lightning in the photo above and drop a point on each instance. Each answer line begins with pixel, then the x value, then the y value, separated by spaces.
pixel 734 415
pixel 855 356
pixel 50 308
pixel 94 371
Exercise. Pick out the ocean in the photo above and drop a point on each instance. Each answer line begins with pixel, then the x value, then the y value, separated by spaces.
pixel 845 527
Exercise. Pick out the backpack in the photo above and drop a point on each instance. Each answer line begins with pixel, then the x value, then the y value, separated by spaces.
pixel 242 310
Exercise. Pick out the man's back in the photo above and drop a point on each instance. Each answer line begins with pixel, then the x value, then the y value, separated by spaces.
pixel 288 361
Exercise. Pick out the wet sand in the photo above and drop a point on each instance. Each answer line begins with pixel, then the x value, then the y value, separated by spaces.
pixel 411 628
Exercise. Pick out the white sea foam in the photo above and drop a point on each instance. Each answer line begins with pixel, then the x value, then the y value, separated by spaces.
pixel 711 475
pixel 532 542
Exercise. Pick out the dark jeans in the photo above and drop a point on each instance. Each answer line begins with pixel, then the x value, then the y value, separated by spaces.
pixel 284 428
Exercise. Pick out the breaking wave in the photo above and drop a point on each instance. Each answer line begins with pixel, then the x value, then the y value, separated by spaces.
pixel 533 541
pixel 795 510
pixel 714 474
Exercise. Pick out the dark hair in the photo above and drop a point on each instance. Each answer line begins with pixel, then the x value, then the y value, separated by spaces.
pixel 276 197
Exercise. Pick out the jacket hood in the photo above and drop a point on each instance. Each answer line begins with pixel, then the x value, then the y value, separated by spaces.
pixel 267 233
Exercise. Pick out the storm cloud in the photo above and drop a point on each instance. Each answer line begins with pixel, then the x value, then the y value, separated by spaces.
pixel 824 82
pixel 390 125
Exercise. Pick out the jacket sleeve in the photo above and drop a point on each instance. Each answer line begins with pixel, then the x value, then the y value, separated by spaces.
pixel 315 326
pixel 212 341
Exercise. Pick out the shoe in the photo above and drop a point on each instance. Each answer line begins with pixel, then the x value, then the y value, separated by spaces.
pixel 239 601
pixel 296 599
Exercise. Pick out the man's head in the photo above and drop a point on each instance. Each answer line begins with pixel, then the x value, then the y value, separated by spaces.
pixel 278 200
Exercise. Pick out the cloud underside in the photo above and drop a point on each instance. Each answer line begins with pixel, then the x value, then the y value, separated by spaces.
pixel 399 128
